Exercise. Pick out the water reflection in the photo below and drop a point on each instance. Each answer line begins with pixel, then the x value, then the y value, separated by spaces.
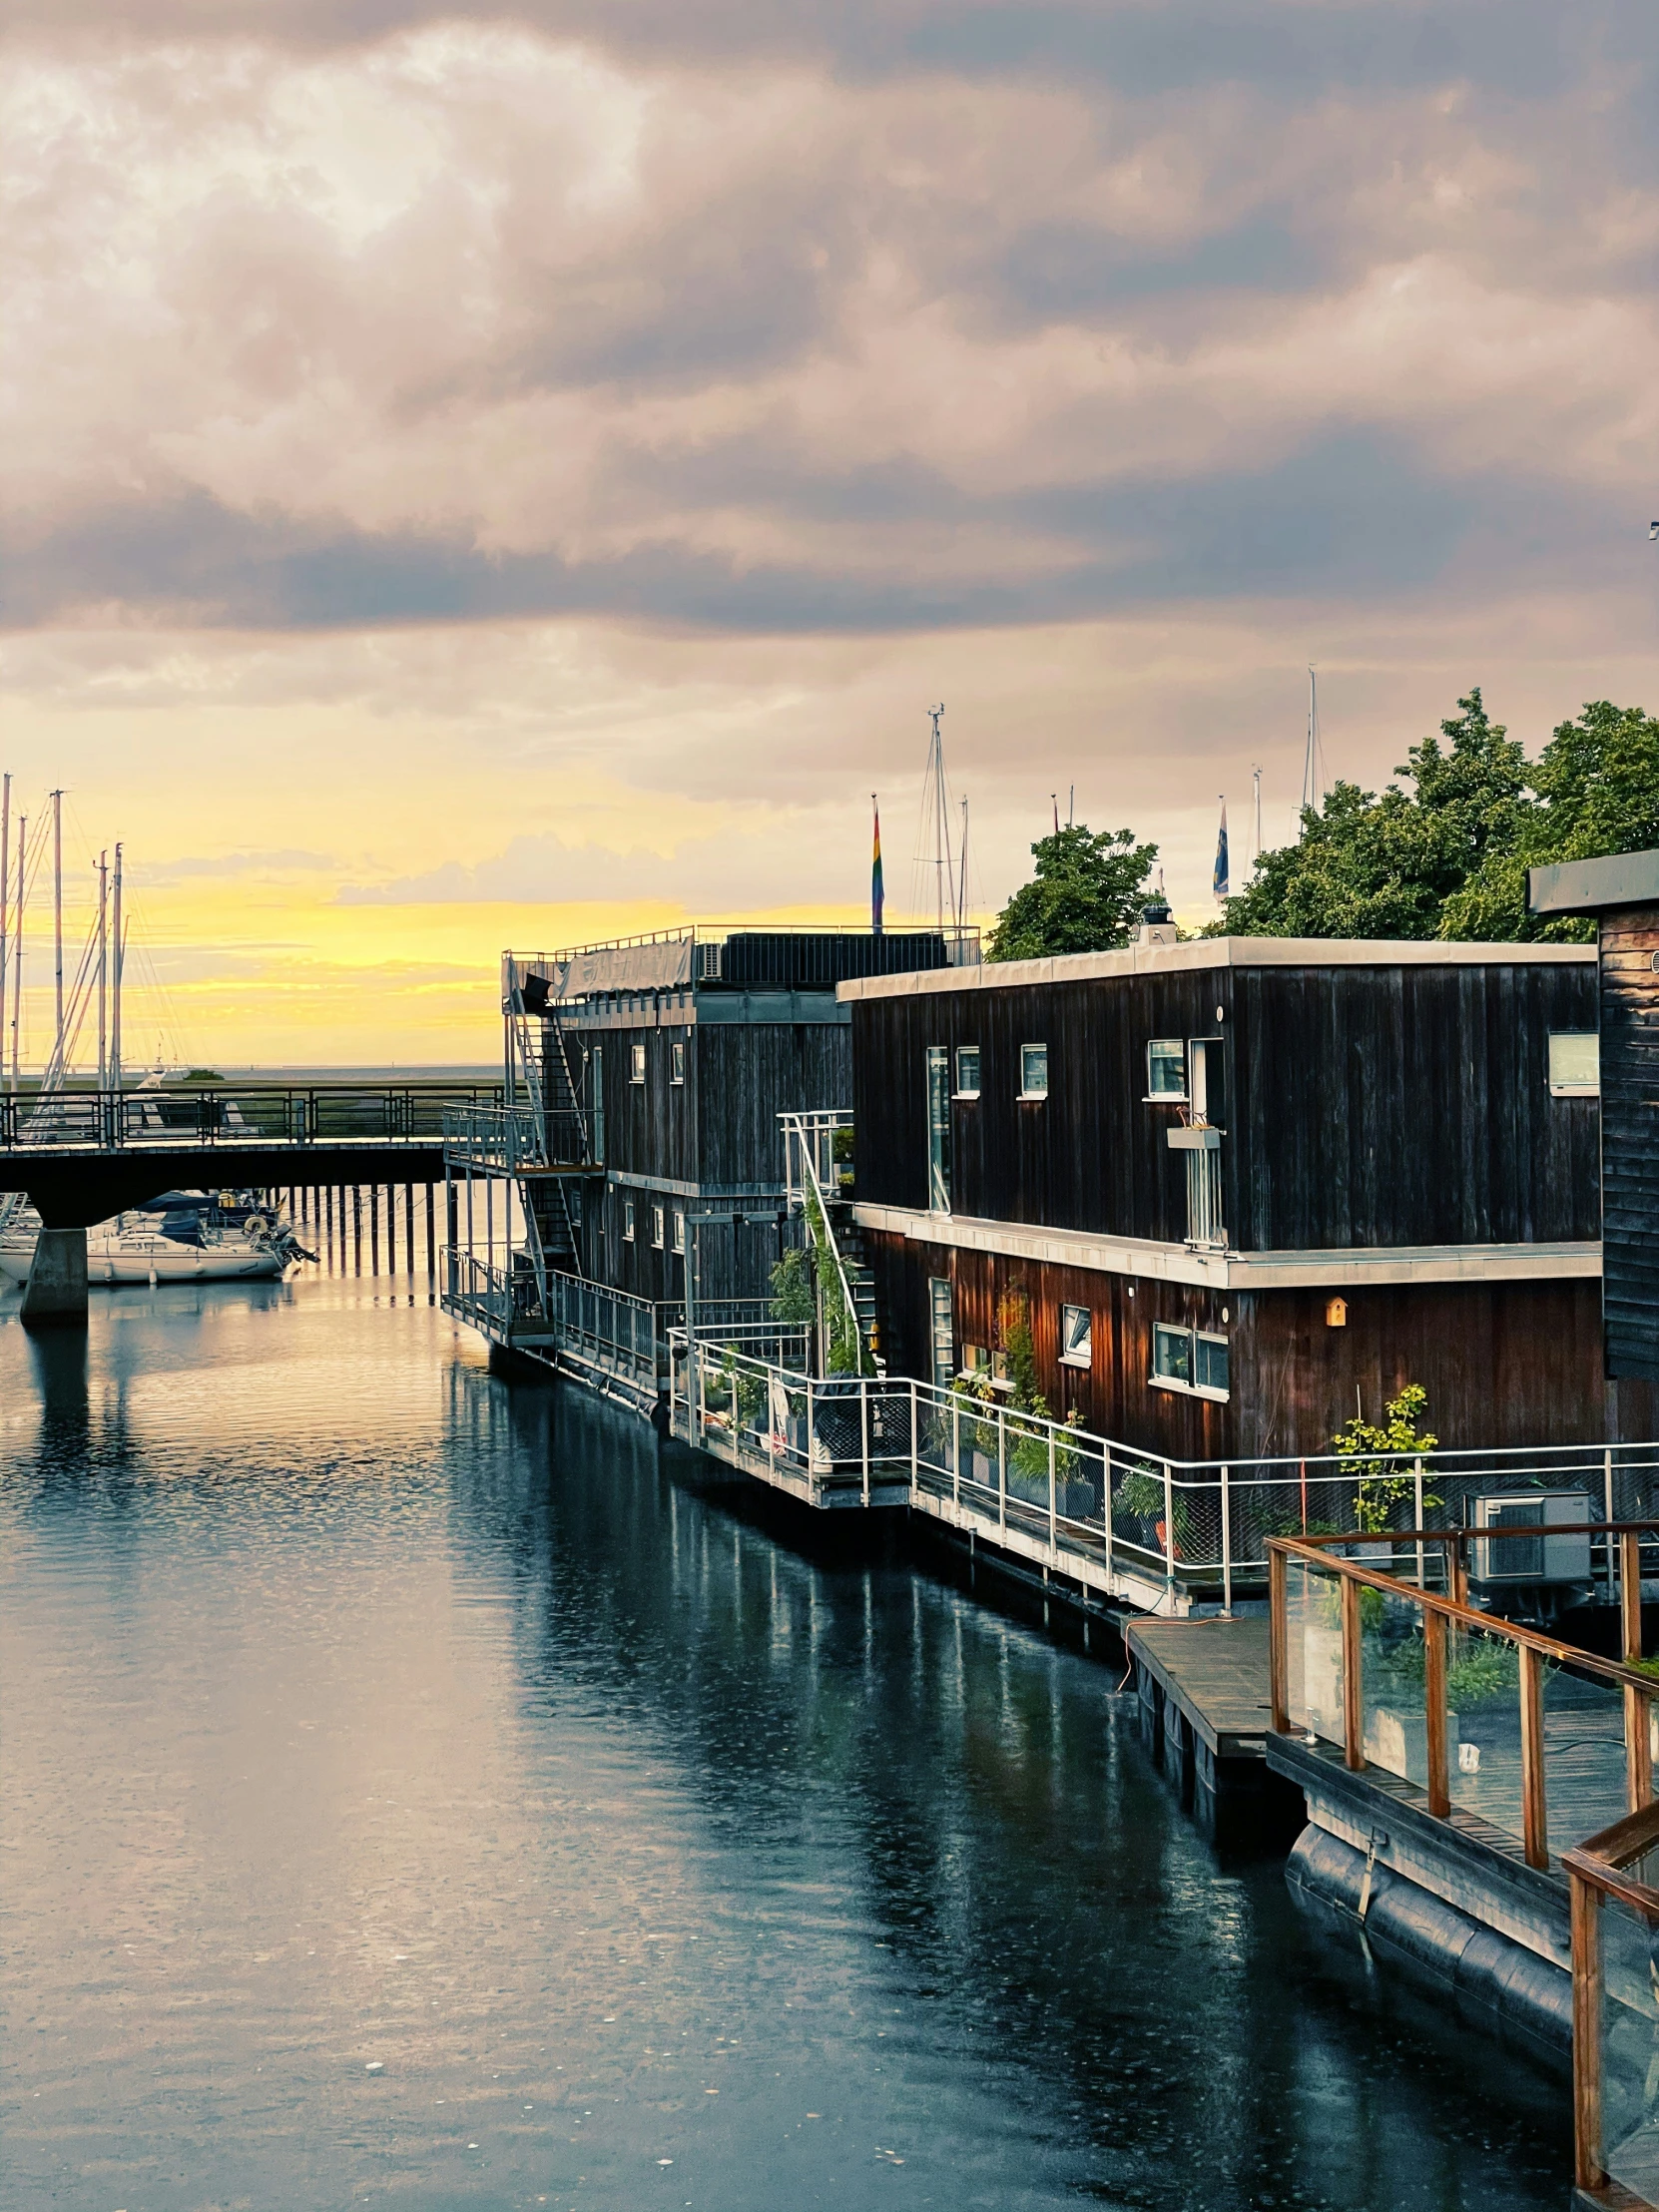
pixel 362 1712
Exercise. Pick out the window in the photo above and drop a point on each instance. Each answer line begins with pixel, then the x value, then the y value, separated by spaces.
pixel 658 1227
pixel 1172 1354
pixel 1166 1068
pixel 938 1129
pixel 974 1357
pixel 967 1071
pixel 1033 1071
pixel 944 1331
pixel 628 1221
pixel 1076 1335
pixel 1574 1063
pixel 679 1230
pixel 676 1063
pixel 637 1066
pixel 1191 1360
pixel 596 1119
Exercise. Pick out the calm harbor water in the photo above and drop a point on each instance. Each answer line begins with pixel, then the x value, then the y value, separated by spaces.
pixel 413 1790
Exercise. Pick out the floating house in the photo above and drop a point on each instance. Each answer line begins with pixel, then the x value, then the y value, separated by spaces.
pixel 1235 1189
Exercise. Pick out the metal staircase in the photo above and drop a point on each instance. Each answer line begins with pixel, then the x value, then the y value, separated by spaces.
pixel 813 1183
pixel 538 1064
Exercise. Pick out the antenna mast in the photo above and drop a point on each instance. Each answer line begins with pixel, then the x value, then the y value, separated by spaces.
pixel 962 873
pixel 1256 779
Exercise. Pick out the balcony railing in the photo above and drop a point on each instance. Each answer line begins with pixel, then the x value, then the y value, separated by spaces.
pixel 512 1140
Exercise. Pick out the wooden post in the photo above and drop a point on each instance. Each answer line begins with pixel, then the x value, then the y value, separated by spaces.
pixel 1279 1632
pixel 1638 1748
pixel 1353 1698
pixel 431 1237
pixel 1630 1591
pixel 1433 1712
pixel 1586 2035
pixel 408 1224
pixel 1461 1569
pixel 1534 1803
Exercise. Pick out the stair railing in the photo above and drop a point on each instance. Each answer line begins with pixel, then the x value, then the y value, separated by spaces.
pixel 799 1134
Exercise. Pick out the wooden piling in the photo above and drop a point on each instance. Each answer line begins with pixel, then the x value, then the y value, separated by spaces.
pixel 431 1238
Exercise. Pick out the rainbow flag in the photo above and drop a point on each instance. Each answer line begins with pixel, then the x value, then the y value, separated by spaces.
pixel 876 893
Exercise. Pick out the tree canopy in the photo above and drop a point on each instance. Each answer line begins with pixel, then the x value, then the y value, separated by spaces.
pixel 1085 896
pixel 1448 857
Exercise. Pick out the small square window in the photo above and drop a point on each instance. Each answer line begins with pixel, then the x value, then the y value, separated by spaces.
pixel 628 1221
pixel 1574 1063
pixel 1172 1354
pixel 967 1071
pixel 637 1066
pixel 679 1230
pixel 1076 1335
pixel 676 1063
pixel 1033 1071
pixel 659 1227
pixel 974 1357
pixel 1166 1068
pixel 1210 1363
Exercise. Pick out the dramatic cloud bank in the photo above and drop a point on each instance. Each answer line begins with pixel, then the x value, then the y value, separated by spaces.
pixel 1114 359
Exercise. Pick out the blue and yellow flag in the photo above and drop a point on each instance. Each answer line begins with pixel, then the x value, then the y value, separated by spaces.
pixel 876 893
pixel 1221 855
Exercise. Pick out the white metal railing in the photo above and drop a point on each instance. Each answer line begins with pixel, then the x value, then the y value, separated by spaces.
pixel 508 1140
pixel 492 1297
pixel 1135 1513
pixel 806 1136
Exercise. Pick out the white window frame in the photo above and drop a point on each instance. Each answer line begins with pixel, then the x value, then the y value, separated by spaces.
pixel 659 1228
pixel 636 1063
pixel 962 1090
pixel 1025 1091
pixel 679 1230
pixel 628 1221
pixel 1158 1382
pixel 1082 1354
pixel 1172 1048
pixel 677 1063
pixel 1560 1088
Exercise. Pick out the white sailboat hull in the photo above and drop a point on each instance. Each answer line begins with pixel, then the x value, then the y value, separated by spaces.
pixel 147 1259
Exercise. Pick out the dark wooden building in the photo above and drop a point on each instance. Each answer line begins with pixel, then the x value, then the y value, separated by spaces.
pixel 1623 895
pixel 1239 1187
pixel 684 1049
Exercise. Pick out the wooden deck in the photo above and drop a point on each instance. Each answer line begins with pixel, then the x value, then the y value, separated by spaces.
pixel 1216 1671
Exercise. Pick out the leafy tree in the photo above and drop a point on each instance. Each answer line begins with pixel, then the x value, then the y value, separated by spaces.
pixel 1597 787
pixel 1384 865
pixel 1384 1483
pixel 1085 896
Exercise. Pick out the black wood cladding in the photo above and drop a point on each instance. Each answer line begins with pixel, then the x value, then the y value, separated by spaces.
pixel 1504 1363
pixel 1387 1105
pixel 1630 1140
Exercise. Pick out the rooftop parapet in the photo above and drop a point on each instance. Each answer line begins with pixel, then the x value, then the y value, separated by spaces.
pixel 730 956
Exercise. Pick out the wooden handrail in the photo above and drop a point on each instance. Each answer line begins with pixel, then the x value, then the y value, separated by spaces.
pixel 1466 1616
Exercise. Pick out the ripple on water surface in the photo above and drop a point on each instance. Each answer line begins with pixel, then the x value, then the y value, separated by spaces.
pixel 411 1788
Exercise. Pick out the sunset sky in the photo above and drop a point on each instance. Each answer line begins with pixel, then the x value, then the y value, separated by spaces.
pixel 485 478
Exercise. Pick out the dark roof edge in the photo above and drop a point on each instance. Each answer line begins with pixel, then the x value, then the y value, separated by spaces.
pixel 1586 886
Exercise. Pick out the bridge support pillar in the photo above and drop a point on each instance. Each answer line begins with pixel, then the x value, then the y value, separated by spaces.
pixel 56 1290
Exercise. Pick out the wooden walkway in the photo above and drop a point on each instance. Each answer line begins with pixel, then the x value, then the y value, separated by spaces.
pixel 1215 1672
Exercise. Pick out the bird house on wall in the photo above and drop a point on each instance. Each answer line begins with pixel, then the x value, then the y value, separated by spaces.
pixel 1335 1313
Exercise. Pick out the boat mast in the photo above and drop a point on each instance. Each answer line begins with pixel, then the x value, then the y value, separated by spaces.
pixel 1255 779
pixel 1313 765
pixel 17 944
pixel 945 865
pixel 103 963
pixel 5 902
pixel 120 953
pixel 962 873
pixel 57 915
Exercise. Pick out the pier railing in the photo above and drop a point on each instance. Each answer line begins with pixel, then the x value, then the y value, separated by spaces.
pixel 238 1113
pixel 1172 1532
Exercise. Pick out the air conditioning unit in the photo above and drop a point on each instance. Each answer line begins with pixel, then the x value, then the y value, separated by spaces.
pixel 1537 1558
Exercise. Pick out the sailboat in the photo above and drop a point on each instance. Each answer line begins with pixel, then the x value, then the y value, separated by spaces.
pixel 195 1241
